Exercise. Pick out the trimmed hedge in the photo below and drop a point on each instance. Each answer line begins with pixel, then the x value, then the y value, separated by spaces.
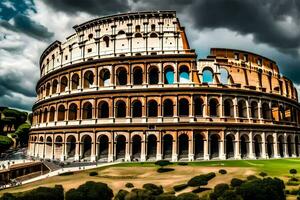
pixel 66 174
pixel 180 187
pixel 235 182
pixel 93 173
pixel 222 171
pixel 162 170
pixel 129 185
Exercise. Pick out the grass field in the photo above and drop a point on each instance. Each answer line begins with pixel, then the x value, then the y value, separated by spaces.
pixel 117 176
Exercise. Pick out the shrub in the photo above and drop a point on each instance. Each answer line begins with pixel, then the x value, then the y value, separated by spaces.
pixel 139 194
pixel 187 196
pixel 293 171
pixel 222 171
pixel 66 174
pixel 162 163
pixel 251 177
pixel 292 183
pixel 230 195
pixel 165 196
pixel 235 182
pixel 129 185
pixel 219 190
pixel 183 163
pixel 180 187
pixel 201 179
pixel 121 195
pixel 93 173
pixel 295 192
pixel 263 174
pixel 293 179
pixel 154 189
pixel 162 170
pixel 90 191
pixel 200 189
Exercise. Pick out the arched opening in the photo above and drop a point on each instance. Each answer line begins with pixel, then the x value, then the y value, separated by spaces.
pixel 207 74
pixel 120 109
pixel 167 146
pixel 152 108
pixel 75 81
pixel 153 35
pixel 254 110
pixel 121 32
pixel 214 146
pixel 103 147
pixel 45 115
pixel 106 41
pixel 51 114
pixel 265 111
pixel 242 109
pixel 184 107
pixel 71 146
pixel 199 145
pixel 244 146
pixel 198 106
pixel 54 86
pixel 270 149
pixel 184 74
pixel 183 146
pixel 87 111
pixel 137 28
pixel 48 87
pixel 228 108
pixel 168 108
pixel 88 79
pixel 257 146
pixel 297 146
pixel 104 77
pixel 137 109
pixel 229 146
pixel 120 147
pixel 213 108
pixel 151 146
pixel 86 146
pixel 224 76
pixel 48 148
pixel 63 84
pixel 73 111
pixel 103 109
pixel 61 113
pixel 281 146
pixel 136 147
pixel 58 147
pixel 282 113
pixel 121 76
pixel 169 75
pixel 137 76
pixel 153 75
pixel 289 146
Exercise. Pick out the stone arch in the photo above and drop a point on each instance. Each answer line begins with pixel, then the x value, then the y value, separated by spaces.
pixel 120 108
pixel 151 146
pixel 58 147
pixel 120 147
pixel 73 111
pixel 104 77
pixel 137 108
pixel 87 110
pixel 207 75
pixel 88 79
pixel 75 81
pixel 106 41
pixel 257 145
pixel 266 111
pixel 103 146
pixel 137 76
pixel 224 75
pixel 270 145
pixel 103 109
pixel 213 107
pixel 136 147
pixel 168 108
pixel 230 146
pixel 167 146
pixel 281 146
pixel 121 75
pixel 254 109
pixel 86 147
pixel 214 146
pixel 152 108
pixel 289 145
pixel 52 114
pixel 242 108
pixel 63 84
pixel 169 75
pixel 199 145
pixel 48 88
pixel 198 106
pixel 48 147
pixel 297 145
pixel 184 107
pixel 45 115
pixel 61 113
pixel 54 86
pixel 244 145
pixel 184 74
pixel 183 148
pixel 71 146
pixel 228 108
pixel 153 75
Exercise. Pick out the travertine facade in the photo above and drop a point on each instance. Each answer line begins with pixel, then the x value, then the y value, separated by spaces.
pixel 128 87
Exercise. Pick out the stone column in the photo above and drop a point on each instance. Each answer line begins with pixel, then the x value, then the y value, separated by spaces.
pixel 237 150
pixel 143 148
pixel 110 157
pixel 275 146
pixel 93 151
pixel 174 148
pixel 285 146
pixel 159 144
pixel 62 156
pixel 77 151
pixel 127 149
pixel 251 154
pixel 191 146
pixel 222 154
pixel 263 153
pixel 206 147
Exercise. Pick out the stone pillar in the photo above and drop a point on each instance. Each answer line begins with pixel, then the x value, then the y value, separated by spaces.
pixel 251 154
pixel 237 149
pixel 263 149
pixel 52 150
pixel 222 154
pixel 275 146
pixel 110 157
pixel 285 146
pixel 206 147
pixel 77 151
pixel 191 146
pixel 93 151
pixel 62 156
pixel 127 149
pixel 174 148
pixel 143 148
pixel 159 145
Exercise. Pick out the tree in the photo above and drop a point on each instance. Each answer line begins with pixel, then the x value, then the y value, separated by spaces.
pixel 90 191
pixel 187 196
pixel 5 143
pixel 23 133
pixel 219 190
pixel 121 195
pixel 153 189
pixel 139 194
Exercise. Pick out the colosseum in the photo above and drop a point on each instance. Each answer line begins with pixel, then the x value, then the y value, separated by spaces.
pixel 128 87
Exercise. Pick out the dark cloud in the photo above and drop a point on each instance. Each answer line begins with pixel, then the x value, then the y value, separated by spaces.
pixel 249 17
pixel 94 7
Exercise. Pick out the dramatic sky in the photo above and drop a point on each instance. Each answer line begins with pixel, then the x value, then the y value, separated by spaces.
pixel 27 27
